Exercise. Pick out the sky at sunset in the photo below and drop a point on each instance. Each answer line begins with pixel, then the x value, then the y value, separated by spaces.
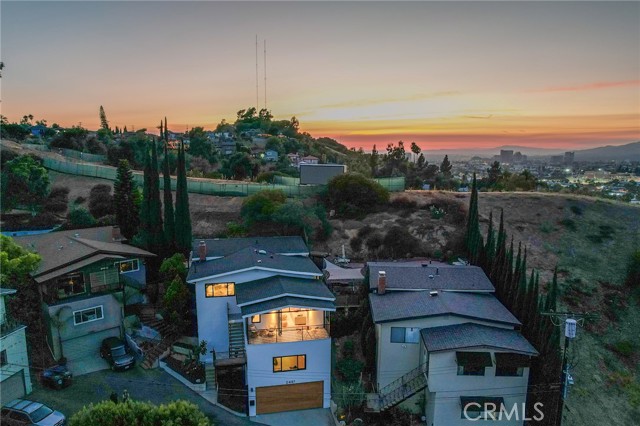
pixel 442 74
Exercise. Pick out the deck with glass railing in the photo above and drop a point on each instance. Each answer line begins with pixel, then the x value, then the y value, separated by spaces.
pixel 289 334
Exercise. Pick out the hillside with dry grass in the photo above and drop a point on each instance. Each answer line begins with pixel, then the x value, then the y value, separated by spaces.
pixel 588 239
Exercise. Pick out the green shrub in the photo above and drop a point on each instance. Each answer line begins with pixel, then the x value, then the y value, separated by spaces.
pixel 570 224
pixel 547 227
pixel 348 349
pixel 576 210
pixel 350 369
pixel 354 195
pixel 625 348
pixel 80 218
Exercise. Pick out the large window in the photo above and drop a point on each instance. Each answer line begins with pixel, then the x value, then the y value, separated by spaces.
pixel 128 265
pixel 405 334
pixel 70 285
pixel 3 358
pixel 511 365
pixel 220 290
pixel 288 363
pixel 473 363
pixel 87 315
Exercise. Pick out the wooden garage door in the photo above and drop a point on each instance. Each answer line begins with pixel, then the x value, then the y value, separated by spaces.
pixel 12 388
pixel 273 399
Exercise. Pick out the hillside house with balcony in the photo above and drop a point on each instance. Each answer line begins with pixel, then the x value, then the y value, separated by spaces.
pixel 446 347
pixel 261 303
pixel 85 278
pixel 15 378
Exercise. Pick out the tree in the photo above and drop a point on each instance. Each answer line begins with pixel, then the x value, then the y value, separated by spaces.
pixel 124 200
pixel 374 160
pixel 352 194
pixel 24 183
pixel 182 215
pixel 200 145
pixel 151 235
pixel 104 124
pixel 445 167
pixel 415 148
pixel 176 301
pixel 16 265
pixel 169 219
pixel 472 237
pixel 494 172
pixel 173 266
pixel 79 217
pixel 136 413
pixel 101 201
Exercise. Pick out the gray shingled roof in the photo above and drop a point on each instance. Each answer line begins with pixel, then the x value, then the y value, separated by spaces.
pixel 413 276
pixel 250 258
pixel 470 335
pixel 284 302
pixel 62 248
pixel 402 305
pixel 226 246
pixel 277 286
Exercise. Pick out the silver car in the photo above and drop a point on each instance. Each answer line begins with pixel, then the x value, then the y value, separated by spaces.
pixel 20 412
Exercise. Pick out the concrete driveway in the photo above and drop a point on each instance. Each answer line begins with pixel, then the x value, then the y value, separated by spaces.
pixel 315 417
pixel 87 365
pixel 155 386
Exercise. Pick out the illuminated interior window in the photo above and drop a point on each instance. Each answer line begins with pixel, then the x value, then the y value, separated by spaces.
pixel 289 363
pixel 255 319
pixel 220 290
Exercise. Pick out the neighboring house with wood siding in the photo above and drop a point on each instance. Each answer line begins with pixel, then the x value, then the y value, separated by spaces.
pixel 84 279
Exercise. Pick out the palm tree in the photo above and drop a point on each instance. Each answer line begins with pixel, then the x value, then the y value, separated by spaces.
pixel 58 320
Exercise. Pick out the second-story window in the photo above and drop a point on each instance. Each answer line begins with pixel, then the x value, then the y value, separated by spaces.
pixel 70 285
pixel 87 315
pixel 128 266
pixel 288 363
pixel 220 290
pixel 3 358
pixel 405 334
pixel 511 365
pixel 473 363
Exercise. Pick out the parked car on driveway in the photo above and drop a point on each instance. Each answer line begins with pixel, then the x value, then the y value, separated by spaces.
pixel 57 377
pixel 117 354
pixel 21 412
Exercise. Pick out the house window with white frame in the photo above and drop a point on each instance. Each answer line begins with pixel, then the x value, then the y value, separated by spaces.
pixel 130 265
pixel 87 315
pixel 405 334
pixel 473 363
pixel 220 290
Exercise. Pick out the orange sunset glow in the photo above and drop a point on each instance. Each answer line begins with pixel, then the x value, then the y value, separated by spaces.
pixel 445 75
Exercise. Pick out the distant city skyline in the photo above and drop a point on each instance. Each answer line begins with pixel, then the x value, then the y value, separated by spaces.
pixel 446 75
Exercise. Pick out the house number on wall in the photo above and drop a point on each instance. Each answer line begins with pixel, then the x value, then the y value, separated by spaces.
pixel 290 382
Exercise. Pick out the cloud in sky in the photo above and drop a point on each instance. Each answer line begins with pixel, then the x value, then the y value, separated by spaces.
pixel 589 86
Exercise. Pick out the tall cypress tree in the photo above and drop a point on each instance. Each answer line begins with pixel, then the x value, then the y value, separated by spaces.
pixel 490 247
pixel 142 237
pixel 182 217
pixel 166 130
pixel 124 198
pixel 155 207
pixel 169 221
pixel 472 238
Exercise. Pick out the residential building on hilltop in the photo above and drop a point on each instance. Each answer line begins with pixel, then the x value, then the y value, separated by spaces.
pixel 261 303
pixel 446 347
pixel 84 279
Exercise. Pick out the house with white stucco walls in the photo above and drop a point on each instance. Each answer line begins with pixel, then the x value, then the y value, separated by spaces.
pixel 262 304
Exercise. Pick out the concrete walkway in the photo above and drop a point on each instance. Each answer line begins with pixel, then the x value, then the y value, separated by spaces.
pixel 315 417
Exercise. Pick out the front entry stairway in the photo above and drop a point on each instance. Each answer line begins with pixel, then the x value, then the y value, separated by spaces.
pixel 397 391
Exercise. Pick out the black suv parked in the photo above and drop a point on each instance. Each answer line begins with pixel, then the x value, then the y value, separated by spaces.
pixel 117 354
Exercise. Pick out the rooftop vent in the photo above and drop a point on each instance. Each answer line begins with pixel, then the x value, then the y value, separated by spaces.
pixel 262 251
pixel 259 261
pixel 433 293
pixel 76 235
pixel 431 276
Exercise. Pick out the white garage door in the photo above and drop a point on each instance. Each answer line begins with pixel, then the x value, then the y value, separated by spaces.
pixel 12 388
pixel 87 346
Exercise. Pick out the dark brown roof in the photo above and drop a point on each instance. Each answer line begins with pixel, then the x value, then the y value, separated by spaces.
pixel 63 248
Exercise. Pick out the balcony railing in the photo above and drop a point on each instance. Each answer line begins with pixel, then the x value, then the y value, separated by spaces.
pixel 288 334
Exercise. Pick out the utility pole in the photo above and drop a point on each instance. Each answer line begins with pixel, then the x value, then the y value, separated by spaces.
pixel 570 323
